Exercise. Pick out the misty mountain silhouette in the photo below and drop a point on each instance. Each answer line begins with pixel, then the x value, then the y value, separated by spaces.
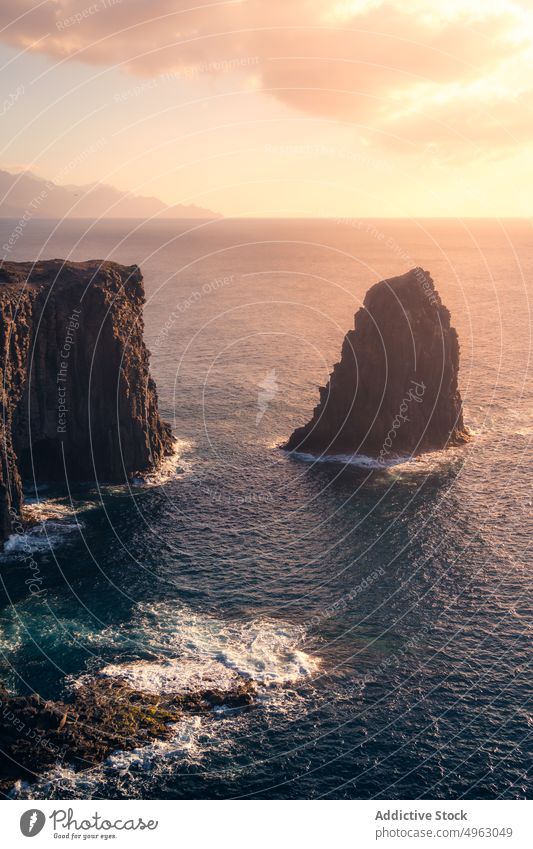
pixel 25 193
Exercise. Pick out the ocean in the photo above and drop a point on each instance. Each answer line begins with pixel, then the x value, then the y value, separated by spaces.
pixel 384 613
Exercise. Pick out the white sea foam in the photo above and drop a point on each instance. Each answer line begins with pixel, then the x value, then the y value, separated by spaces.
pixel 42 537
pixel 197 650
pixel 183 741
pixel 187 742
pixel 52 522
pixel 173 676
pixel 175 465
pixel 358 460
pixel 420 464
pixel 43 510
pixel 192 651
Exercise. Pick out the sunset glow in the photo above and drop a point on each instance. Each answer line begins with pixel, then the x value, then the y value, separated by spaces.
pixel 312 108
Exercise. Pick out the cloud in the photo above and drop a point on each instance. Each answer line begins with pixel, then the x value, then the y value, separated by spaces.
pixel 465 128
pixel 399 69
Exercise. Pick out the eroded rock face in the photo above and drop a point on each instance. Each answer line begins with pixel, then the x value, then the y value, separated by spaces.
pixel 394 390
pixel 76 399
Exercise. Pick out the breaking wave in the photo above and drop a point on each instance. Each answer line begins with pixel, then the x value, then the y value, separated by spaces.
pixel 176 465
pixel 188 651
pixel 426 462
pixel 194 650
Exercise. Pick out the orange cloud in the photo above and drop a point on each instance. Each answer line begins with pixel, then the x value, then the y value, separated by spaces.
pixel 465 128
pixel 398 68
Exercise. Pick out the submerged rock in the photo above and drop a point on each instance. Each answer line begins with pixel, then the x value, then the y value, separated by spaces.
pixel 101 717
pixel 76 398
pixel 394 391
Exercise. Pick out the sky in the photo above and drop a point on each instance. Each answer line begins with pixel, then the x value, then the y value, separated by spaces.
pixel 348 108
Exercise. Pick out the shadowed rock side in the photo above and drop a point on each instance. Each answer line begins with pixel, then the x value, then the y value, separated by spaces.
pixel 394 390
pixel 76 398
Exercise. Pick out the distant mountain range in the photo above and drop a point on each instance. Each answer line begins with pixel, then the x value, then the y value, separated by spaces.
pixel 24 194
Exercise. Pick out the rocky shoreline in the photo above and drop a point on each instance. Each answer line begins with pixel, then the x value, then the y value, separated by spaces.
pixel 101 716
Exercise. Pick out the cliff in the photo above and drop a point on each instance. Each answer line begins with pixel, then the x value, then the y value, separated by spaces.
pixel 76 398
pixel 394 390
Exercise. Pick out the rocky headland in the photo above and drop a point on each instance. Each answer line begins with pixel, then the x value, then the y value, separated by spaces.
pixel 77 401
pixel 394 391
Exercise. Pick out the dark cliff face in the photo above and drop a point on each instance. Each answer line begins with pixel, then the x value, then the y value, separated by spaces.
pixel 77 401
pixel 394 390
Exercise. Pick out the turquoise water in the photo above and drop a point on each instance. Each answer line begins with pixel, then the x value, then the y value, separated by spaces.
pixel 385 614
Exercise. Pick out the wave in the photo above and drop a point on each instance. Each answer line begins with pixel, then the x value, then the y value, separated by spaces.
pixel 42 537
pixel 421 463
pixel 176 465
pixel 49 523
pixel 189 651
pixel 43 510
pixel 358 460
pixel 128 773
pixel 194 650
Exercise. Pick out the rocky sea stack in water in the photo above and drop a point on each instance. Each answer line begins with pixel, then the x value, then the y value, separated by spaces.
pixel 77 401
pixel 394 391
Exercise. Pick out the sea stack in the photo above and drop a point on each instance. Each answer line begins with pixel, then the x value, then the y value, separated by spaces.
pixel 394 391
pixel 77 401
